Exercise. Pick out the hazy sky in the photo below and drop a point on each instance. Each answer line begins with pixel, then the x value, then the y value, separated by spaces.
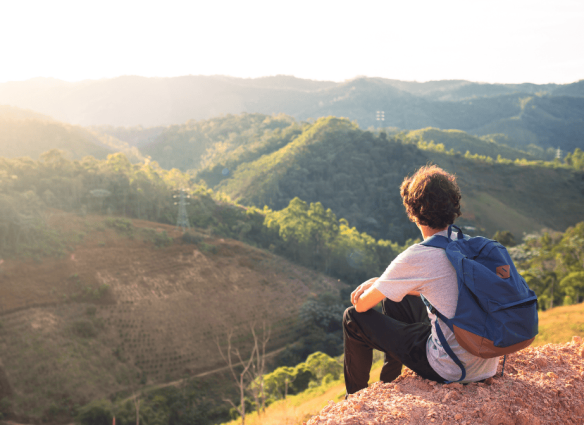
pixel 490 41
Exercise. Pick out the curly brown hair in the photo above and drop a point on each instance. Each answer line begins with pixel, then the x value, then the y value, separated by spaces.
pixel 431 197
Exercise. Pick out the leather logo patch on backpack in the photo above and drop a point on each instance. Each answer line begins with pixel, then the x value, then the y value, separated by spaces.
pixel 503 271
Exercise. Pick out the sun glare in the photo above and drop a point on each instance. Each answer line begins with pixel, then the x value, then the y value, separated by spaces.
pixel 481 41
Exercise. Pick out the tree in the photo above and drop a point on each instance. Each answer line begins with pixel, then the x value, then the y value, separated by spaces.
pixel 573 286
pixel 278 381
pixel 322 365
pixel 576 159
pixel 242 379
pixel 259 368
pixel 98 412
pixel 505 237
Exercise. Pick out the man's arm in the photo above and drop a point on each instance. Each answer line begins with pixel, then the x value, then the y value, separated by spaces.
pixel 365 296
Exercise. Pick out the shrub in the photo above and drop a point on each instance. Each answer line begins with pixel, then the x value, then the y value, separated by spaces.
pixel 122 226
pixel 162 239
pixel 205 247
pixel 84 328
pixel 54 412
pixel 505 237
pixel 97 412
pixel 191 238
pixel 5 407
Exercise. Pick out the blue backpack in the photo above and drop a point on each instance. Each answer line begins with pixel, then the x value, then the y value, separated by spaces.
pixel 496 313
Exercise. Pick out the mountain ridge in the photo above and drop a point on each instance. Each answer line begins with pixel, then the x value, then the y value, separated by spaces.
pixel 465 105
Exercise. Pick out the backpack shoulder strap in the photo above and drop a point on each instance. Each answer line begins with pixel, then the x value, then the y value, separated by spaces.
pixel 439 241
pixel 436 241
pixel 442 338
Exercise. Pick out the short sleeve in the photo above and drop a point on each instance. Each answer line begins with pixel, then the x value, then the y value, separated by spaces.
pixel 408 272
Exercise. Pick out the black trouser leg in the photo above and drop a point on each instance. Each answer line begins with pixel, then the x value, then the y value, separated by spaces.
pixel 410 310
pixel 401 332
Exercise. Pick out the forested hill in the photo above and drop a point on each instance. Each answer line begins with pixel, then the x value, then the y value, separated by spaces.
pixel 547 115
pixel 219 142
pixel 491 145
pixel 222 143
pixel 357 174
pixel 269 160
pixel 27 133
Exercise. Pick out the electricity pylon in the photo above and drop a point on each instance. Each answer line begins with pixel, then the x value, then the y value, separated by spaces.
pixel 182 220
pixel 380 117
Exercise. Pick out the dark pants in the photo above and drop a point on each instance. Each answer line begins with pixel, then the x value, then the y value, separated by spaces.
pixel 401 332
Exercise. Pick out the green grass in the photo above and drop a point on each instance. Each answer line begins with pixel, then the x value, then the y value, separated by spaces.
pixel 493 213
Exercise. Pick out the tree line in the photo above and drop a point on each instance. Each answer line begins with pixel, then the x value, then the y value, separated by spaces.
pixel 553 266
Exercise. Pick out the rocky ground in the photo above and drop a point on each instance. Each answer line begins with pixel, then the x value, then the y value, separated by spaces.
pixel 541 385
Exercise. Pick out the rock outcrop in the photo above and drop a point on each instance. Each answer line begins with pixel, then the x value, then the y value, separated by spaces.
pixel 541 385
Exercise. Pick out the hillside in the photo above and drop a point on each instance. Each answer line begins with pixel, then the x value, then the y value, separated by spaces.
pixel 559 324
pixel 268 160
pixel 541 385
pixel 297 409
pixel 134 136
pixel 27 133
pixel 462 142
pixel 132 304
pixel 219 143
pixel 357 175
pixel 546 115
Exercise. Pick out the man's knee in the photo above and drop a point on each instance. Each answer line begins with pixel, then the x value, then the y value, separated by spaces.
pixel 348 315
pixel 351 317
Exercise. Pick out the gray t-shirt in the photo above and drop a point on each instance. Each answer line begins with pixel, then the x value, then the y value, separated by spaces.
pixel 427 270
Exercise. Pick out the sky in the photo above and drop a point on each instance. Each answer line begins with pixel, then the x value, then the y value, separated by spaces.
pixel 486 41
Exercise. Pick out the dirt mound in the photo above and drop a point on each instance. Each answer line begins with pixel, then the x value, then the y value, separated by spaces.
pixel 541 385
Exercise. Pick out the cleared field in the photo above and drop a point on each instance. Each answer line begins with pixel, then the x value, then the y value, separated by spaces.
pixel 118 312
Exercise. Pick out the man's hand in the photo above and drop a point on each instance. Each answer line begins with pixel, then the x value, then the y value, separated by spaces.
pixel 365 296
pixel 356 294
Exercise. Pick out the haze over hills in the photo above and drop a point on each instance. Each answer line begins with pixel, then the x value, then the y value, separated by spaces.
pixel 547 115
pixel 27 133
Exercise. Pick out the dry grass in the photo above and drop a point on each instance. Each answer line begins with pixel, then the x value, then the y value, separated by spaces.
pixel 301 407
pixel 560 324
pixel 555 326
pixel 157 323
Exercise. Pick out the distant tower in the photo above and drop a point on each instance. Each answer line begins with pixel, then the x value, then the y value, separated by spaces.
pixel 182 220
pixel 380 117
pixel 558 153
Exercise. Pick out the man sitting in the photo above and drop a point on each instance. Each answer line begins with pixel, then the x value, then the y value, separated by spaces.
pixel 405 331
